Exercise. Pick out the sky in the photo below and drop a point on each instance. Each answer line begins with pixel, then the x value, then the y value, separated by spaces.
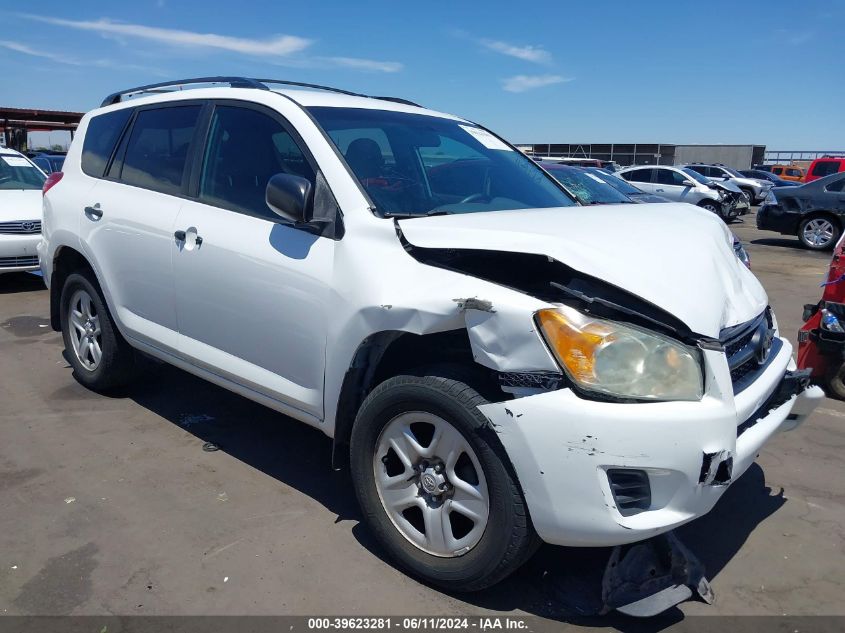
pixel 714 71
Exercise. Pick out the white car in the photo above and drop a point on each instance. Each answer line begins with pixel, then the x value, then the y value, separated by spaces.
pixel 497 364
pixel 20 211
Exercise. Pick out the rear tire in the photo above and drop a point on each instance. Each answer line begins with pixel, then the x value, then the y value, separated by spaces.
pixel 476 552
pixel 101 359
pixel 819 232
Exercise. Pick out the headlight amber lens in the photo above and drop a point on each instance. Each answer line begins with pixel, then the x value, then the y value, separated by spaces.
pixel 621 360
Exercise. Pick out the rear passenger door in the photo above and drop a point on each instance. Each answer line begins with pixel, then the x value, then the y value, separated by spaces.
pixel 127 222
pixel 251 289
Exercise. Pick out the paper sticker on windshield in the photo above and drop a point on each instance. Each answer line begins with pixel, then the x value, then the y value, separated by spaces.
pixel 596 178
pixel 16 161
pixel 485 138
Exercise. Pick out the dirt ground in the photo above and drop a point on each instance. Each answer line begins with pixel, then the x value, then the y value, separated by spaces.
pixel 109 505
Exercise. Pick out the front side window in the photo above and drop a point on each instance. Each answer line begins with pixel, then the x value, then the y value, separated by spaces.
pixel 245 149
pixel 16 172
pixel 777 171
pixel 100 138
pixel 158 148
pixel 415 165
pixel 796 173
pixel 670 177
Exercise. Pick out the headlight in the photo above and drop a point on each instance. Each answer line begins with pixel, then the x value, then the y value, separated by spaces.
pixel 770 198
pixel 621 360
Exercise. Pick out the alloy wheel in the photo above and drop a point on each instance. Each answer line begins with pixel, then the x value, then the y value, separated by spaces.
pixel 818 232
pixel 85 335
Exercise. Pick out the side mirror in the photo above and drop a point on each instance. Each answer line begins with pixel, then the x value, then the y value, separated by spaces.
pixel 688 183
pixel 289 197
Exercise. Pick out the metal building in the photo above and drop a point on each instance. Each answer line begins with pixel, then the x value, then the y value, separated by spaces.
pixel 737 156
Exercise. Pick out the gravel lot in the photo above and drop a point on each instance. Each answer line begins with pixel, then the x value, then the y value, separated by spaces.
pixel 109 505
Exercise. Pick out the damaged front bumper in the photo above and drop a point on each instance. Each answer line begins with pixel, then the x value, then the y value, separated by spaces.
pixel 606 473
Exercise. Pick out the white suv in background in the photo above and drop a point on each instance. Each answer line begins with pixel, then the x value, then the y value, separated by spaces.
pixel 20 211
pixel 497 364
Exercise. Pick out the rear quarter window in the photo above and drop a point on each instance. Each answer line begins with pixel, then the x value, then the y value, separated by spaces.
pixel 102 135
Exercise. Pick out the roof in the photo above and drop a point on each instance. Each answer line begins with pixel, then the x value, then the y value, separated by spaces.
pixel 8 151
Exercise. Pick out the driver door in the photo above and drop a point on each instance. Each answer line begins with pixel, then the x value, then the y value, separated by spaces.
pixel 252 291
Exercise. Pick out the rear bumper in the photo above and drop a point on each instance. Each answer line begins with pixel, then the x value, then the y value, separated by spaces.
pixel 19 252
pixel 562 447
pixel 772 217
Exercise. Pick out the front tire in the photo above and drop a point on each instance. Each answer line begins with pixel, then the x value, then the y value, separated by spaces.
pixel 101 359
pixel 836 382
pixel 818 233
pixel 435 485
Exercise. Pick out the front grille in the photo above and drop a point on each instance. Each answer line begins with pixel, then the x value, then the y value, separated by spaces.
pixel 15 262
pixel 742 345
pixel 631 490
pixel 20 227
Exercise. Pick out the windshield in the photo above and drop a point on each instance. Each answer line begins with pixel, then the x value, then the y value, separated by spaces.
pixel 588 187
pixel 16 172
pixel 695 175
pixel 733 172
pixel 620 184
pixel 415 165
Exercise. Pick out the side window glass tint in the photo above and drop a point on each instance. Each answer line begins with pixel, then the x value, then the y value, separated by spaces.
pixel 100 139
pixel 639 175
pixel 836 187
pixel 245 149
pixel 825 168
pixel 158 148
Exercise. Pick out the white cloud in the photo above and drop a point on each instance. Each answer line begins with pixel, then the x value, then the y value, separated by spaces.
pixel 71 61
pixel 279 46
pixel 282 49
pixel 363 64
pixel 521 83
pixel 535 54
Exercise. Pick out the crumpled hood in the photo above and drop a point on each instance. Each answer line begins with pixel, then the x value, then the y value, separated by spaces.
pixel 20 204
pixel 675 255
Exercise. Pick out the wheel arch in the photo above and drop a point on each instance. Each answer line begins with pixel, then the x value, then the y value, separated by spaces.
pixel 66 260
pixel 385 354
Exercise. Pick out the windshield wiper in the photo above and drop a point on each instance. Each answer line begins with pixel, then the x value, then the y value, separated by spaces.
pixel 404 216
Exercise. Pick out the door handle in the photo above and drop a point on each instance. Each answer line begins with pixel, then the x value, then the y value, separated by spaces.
pixel 181 236
pixel 660 190
pixel 95 212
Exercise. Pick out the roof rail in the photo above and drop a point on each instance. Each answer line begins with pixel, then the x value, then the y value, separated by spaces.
pixel 239 82
pixel 234 82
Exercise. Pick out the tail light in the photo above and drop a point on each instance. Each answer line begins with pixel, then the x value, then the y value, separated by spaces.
pixel 51 181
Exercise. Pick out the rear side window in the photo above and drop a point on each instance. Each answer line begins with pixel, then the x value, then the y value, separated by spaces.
pixel 777 171
pixel 794 172
pixel 638 175
pixel 836 187
pixel 158 148
pixel 245 149
pixel 825 168
pixel 103 133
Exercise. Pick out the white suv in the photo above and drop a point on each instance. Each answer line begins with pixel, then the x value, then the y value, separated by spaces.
pixel 497 364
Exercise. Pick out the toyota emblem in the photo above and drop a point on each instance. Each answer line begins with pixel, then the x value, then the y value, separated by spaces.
pixel 765 346
pixel 28 226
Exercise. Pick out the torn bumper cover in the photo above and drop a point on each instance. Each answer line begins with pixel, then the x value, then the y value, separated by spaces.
pixel 603 473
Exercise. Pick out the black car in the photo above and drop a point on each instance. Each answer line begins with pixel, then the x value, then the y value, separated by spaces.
pixel 759 174
pixel 814 211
